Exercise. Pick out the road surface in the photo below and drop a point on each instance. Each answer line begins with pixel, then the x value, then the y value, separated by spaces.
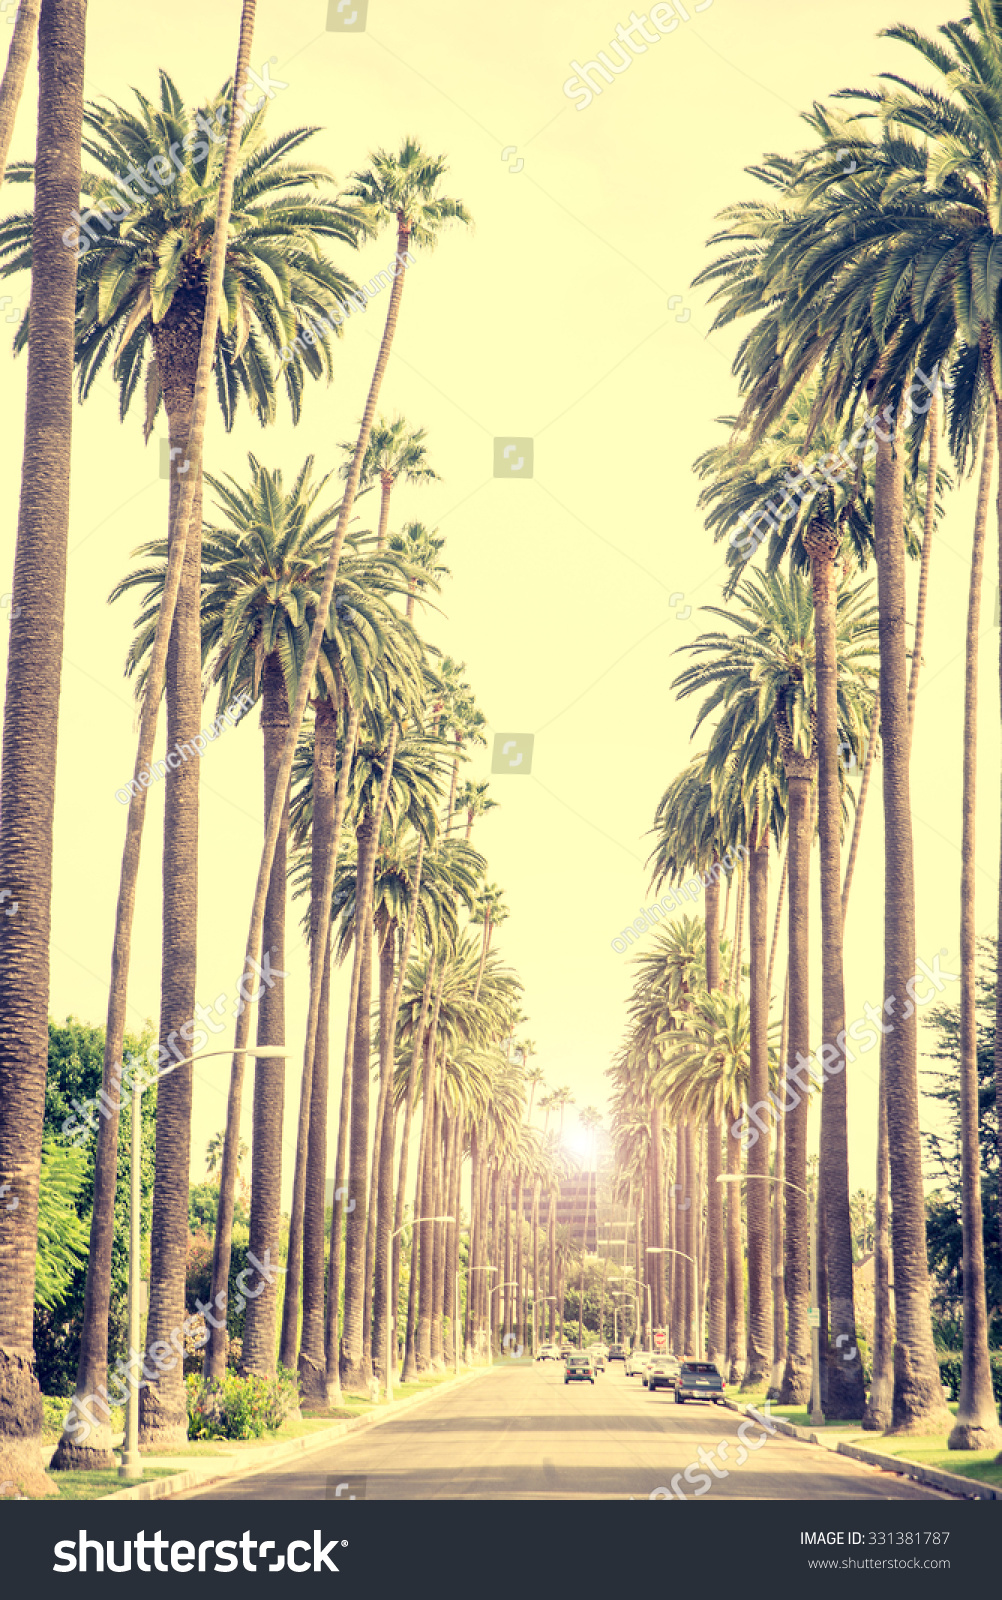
pixel 521 1433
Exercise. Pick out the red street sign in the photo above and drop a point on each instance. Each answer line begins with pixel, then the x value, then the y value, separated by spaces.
pixel 660 1338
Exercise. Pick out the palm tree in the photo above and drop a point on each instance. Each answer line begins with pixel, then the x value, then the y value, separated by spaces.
pixel 420 550
pixel 706 1070
pixel 214 1152
pixel 22 43
pixel 395 453
pixel 146 283
pixel 692 834
pixel 474 800
pixel 827 272
pixel 950 173
pixel 764 686
pixel 590 1119
pixel 400 189
pixel 490 912
pixel 30 724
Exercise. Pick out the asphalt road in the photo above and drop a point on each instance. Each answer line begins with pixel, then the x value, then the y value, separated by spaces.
pixel 520 1433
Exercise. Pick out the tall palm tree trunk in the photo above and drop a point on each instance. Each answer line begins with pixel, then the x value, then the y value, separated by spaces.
pixel 356 1366
pixel 929 528
pixel 473 1247
pixel 423 1193
pixel 735 1265
pixel 330 802
pixel 385 1258
pixel 342 1203
pixel 845 1396
pixel 918 1399
pixel 877 1415
pixel 677 1216
pixel 552 1280
pixel 31 713
pixel 454 1345
pixel 795 1388
pixel 312 1364
pixel 438 1144
pixel 423 1208
pixel 18 56
pixel 413 1081
pixel 258 1352
pixel 778 1200
pixel 223 1242
pixel 690 1266
pixel 535 1263
pixel 716 1281
pixel 387 975
pixel 977 1426
pixel 759 1364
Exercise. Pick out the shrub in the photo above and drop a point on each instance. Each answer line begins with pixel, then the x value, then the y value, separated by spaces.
pixel 240 1408
pixel 950 1368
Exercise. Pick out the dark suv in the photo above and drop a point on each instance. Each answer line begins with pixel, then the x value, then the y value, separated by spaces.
pixel 617 1352
pixel 698 1380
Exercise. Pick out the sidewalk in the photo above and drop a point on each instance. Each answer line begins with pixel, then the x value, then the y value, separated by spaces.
pixel 841 1441
pixel 235 1461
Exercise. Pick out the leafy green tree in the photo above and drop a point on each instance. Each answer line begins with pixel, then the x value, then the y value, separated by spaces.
pixel 76 1054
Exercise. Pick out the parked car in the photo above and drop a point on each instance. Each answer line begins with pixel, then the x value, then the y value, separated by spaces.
pixel 579 1365
pixel 698 1380
pixel 548 1352
pixel 617 1352
pixel 662 1372
pixel 597 1353
pixel 636 1362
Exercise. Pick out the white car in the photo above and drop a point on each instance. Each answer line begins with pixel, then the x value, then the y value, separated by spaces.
pixel 637 1363
pixel 549 1352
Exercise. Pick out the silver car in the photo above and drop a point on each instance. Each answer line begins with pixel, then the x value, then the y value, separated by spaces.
pixel 662 1372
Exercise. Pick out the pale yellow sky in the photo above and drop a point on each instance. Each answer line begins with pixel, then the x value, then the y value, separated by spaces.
pixel 550 321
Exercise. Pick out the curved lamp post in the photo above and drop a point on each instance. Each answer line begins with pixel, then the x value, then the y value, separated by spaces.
pixel 132 1463
pixel 817 1415
pixel 391 1321
pixel 664 1250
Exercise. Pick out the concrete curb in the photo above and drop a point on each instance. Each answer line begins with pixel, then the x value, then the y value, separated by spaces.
pixel 932 1477
pixel 258 1460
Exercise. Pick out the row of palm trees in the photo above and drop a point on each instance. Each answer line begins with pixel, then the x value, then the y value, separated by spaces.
pixel 869 270
pixel 230 275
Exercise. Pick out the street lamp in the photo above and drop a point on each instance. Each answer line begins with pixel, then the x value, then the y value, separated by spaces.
pixel 631 1277
pixel 627 1294
pixel 485 1269
pixel 391 1321
pixel 663 1250
pixel 817 1415
pixel 132 1461
pixel 490 1331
